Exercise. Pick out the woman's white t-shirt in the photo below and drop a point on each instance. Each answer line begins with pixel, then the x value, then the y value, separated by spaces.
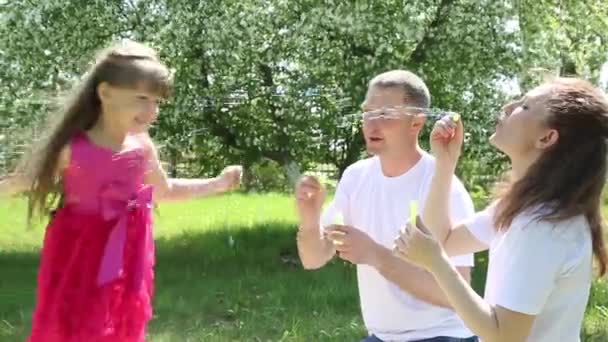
pixel 539 268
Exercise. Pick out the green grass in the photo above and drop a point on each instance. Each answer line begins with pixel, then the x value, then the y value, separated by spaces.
pixel 208 289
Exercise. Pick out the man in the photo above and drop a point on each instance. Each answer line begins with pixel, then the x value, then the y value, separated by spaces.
pixel 399 301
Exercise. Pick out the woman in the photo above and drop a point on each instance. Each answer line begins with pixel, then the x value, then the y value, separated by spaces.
pixel 543 228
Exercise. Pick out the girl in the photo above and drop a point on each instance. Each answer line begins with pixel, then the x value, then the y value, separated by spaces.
pixel 544 227
pixel 95 281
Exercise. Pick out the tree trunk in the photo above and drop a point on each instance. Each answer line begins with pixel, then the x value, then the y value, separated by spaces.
pixel 174 162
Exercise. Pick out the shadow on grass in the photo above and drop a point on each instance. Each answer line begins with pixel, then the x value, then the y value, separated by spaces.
pixel 237 284
pixel 247 284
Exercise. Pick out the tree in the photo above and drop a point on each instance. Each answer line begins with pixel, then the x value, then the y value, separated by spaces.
pixel 283 80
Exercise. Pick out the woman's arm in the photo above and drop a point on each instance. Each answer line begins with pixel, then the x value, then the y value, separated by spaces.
pixel 446 142
pixel 490 323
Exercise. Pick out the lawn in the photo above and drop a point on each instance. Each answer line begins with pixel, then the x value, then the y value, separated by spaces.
pixel 226 271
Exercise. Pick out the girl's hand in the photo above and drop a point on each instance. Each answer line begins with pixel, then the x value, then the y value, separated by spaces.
pixel 230 178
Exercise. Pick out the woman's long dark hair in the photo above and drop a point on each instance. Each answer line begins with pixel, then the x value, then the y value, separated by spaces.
pixel 571 174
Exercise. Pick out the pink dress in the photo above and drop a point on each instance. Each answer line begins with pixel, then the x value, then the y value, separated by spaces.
pixel 95 281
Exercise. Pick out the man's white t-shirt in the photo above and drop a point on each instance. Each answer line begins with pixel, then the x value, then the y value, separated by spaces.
pixel 379 206
pixel 539 268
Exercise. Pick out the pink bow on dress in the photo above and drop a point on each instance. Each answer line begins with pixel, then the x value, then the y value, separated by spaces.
pixel 116 205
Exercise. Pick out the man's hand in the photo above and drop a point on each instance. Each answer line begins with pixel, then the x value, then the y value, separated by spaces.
pixel 354 245
pixel 310 196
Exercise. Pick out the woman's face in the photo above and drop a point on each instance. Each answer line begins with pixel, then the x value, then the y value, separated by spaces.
pixel 522 131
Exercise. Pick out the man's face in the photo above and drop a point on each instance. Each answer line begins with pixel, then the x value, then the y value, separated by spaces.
pixel 387 124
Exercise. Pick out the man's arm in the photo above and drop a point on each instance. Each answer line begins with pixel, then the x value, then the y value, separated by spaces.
pixel 418 281
pixel 357 247
pixel 314 250
pixel 413 279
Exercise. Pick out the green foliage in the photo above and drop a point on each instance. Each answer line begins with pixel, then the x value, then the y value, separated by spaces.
pixel 267 175
pixel 281 80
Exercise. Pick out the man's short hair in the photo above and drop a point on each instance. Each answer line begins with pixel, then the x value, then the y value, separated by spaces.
pixel 415 90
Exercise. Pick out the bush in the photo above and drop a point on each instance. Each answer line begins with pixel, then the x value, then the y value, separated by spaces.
pixel 266 176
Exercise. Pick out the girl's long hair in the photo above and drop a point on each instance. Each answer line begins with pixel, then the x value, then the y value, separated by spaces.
pixel 126 64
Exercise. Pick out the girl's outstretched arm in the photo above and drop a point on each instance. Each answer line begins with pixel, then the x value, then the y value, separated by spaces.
pixel 22 180
pixel 12 185
pixel 177 189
